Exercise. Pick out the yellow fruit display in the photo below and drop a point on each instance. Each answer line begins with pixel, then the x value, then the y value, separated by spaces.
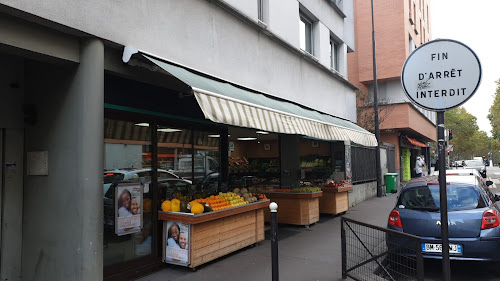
pixel 176 205
pixel 197 209
pixel 166 206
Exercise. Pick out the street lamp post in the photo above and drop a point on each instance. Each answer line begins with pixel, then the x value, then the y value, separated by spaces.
pixel 375 109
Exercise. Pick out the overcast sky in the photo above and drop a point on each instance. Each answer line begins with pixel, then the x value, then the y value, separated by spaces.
pixel 475 24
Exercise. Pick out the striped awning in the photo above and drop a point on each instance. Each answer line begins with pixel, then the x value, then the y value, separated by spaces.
pixel 227 103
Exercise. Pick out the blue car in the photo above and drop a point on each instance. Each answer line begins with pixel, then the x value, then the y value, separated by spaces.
pixel 473 218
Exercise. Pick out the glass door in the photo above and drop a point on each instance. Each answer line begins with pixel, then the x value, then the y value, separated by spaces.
pixel 127 192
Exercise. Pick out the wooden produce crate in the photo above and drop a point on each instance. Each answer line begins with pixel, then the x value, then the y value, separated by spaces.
pixel 215 234
pixel 295 208
pixel 335 200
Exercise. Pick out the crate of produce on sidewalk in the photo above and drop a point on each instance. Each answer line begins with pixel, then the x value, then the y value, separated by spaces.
pixel 298 206
pixel 205 229
pixel 335 199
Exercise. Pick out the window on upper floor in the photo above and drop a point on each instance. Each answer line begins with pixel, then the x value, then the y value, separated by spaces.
pixel 410 16
pixel 411 45
pixel 339 3
pixel 414 13
pixel 334 54
pixel 306 33
pixel 260 10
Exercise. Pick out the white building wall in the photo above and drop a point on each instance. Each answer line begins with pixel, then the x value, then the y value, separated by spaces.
pixel 284 20
pixel 322 44
pixel 247 7
pixel 202 35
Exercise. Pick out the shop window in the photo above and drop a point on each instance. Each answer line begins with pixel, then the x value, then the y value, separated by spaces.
pixel 127 177
pixel 194 157
pixel 306 33
pixel 253 159
pixel 316 163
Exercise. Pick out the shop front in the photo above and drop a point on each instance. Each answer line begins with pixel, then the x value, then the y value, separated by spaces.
pixel 92 147
pixel 172 147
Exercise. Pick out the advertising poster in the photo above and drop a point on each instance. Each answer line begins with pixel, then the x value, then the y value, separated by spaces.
pixel 128 209
pixel 177 242
pixel 405 161
pixel 348 171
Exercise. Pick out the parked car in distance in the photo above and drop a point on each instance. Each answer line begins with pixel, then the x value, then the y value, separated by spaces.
pixel 476 164
pixel 473 226
pixel 133 175
pixel 203 166
pixel 469 172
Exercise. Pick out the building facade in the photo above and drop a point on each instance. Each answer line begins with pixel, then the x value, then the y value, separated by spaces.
pixel 117 86
pixel 400 27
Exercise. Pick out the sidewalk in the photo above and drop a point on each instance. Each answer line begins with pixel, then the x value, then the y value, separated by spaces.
pixel 305 254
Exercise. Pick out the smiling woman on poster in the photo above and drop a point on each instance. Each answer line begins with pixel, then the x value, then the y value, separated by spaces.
pixel 128 210
pixel 124 203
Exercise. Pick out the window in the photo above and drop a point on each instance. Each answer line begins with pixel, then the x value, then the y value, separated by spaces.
pixel 334 55
pixel 260 10
pixel 410 17
pixel 411 45
pixel 126 162
pixel 414 12
pixel 305 29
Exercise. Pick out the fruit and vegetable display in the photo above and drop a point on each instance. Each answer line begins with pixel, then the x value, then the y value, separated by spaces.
pixel 331 183
pixel 221 201
pixel 312 161
pixel 305 189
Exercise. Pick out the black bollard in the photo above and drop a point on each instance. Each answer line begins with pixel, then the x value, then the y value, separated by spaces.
pixel 274 240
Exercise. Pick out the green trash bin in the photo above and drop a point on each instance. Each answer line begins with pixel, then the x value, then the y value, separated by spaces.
pixel 390 182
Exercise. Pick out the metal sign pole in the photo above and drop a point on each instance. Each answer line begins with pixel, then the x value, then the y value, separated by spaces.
pixel 443 198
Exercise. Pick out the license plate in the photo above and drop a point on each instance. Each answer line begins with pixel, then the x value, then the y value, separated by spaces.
pixel 437 248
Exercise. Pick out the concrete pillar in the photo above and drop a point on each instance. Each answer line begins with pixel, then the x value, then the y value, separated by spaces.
pixel 290 161
pixel 62 223
pixel 90 87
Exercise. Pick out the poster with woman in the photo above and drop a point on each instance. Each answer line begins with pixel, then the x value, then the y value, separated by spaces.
pixel 128 209
pixel 176 242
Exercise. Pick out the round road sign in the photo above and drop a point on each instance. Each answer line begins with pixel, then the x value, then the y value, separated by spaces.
pixel 441 74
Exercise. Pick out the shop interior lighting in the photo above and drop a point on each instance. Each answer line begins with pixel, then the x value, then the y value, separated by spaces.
pixel 169 130
pixel 142 124
pixel 214 136
pixel 262 133
pixel 247 139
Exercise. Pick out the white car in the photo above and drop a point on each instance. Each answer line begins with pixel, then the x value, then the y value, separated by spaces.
pixel 466 175
pixel 133 175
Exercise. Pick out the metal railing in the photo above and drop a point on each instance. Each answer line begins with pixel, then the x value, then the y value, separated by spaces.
pixel 374 253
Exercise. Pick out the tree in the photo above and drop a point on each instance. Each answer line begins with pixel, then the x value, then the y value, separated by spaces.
pixel 467 139
pixel 365 114
pixel 494 114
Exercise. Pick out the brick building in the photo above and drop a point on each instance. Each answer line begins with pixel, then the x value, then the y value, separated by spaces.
pixel 400 27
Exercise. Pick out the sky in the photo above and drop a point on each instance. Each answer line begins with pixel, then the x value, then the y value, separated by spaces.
pixel 475 24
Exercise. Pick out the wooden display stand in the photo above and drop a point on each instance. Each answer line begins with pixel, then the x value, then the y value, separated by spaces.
pixel 219 233
pixel 335 200
pixel 295 208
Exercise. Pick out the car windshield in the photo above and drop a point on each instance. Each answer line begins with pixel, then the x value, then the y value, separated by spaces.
pixel 426 198
pixel 472 163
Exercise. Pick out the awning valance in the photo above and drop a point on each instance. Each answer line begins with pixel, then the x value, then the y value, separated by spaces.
pixel 416 142
pixel 227 103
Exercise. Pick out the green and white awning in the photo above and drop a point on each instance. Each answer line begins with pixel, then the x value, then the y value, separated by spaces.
pixel 224 102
